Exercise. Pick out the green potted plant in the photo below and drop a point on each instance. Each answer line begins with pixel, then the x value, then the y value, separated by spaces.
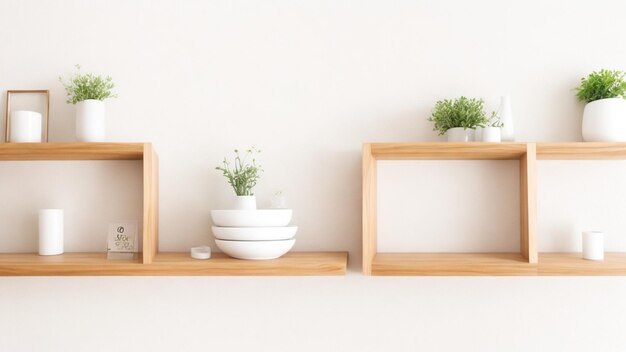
pixel 604 117
pixel 242 174
pixel 492 130
pixel 88 92
pixel 457 118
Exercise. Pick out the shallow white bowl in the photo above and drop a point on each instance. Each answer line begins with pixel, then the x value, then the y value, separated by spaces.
pixel 254 233
pixel 255 250
pixel 251 218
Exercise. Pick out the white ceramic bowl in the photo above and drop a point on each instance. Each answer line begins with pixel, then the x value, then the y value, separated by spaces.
pixel 254 233
pixel 255 250
pixel 251 218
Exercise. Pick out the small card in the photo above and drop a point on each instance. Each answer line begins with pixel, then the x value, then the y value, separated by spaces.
pixel 122 240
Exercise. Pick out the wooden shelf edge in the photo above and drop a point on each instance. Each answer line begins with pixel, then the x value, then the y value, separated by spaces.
pixel 572 264
pixel 71 151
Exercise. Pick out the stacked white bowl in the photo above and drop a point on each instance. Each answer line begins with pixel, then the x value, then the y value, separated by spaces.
pixel 254 234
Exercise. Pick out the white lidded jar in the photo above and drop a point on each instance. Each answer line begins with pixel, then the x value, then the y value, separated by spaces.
pixel 90 121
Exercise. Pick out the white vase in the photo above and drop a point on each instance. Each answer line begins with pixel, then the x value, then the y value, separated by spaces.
pixel 25 127
pixel 506 117
pixel 604 120
pixel 50 231
pixel 593 245
pixel 90 121
pixel 491 134
pixel 245 203
pixel 459 134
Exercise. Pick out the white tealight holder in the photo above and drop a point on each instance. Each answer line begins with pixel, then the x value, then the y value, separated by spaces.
pixel 202 252
pixel 593 245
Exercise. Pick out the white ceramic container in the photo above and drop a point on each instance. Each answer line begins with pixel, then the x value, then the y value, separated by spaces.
pixel 506 116
pixel 255 250
pixel 245 202
pixel 254 233
pixel 491 134
pixel 25 127
pixel 50 231
pixel 593 245
pixel 460 134
pixel 251 218
pixel 90 121
pixel 604 120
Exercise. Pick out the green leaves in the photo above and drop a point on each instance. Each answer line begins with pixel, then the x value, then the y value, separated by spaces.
pixel 243 176
pixel 602 84
pixel 461 112
pixel 83 86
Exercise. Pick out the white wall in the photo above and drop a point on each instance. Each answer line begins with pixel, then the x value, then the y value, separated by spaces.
pixel 308 82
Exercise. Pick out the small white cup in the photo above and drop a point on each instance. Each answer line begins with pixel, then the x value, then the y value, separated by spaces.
pixel 491 134
pixel 593 245
pixel 25 127
pixel 202 252
pixel 50 231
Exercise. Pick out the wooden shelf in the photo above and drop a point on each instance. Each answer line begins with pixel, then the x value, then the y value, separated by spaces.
pixel 180 264
pixel 574 264
pixel 581 151
pixel 447 151
pixel 72 151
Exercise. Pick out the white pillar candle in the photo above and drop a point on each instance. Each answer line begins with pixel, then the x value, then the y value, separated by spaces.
pixel 50 231
pixel 25 127
pixel 593 245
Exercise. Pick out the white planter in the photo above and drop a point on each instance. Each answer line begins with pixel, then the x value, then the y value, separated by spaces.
pixel 491 134
pixel 593 245
pixel 25 127
pixel 50 231
pixel 90 121
pixel 604 120
pixel 460 134
pixel 245 203
pixel 506 116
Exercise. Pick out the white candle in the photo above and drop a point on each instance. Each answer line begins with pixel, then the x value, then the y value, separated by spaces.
pixel 50 231
pixel 25 127
pixel 593 245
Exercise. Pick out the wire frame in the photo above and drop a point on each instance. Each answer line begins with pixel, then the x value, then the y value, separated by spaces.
pixel 7 116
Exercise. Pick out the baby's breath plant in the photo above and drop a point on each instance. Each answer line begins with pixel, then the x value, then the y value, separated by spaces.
pixel 602 84
pixel 461 112
pixel 243 174
pixel 84 86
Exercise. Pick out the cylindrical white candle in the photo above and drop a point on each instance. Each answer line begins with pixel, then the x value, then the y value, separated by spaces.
pixel 593 245
pixel 50 231
pixel 25 127
pixel 203 252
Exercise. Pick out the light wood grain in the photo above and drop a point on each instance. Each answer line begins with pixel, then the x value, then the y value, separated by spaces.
pixel 448 151
pixel 172 264
pixel 451 264
pixel 370 217
pixel 574 265
pixel 150 203
pixel 71 151
pixel 528 204
pixel 581 151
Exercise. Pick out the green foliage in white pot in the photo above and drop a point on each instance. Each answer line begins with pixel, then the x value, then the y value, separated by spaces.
pixel 84 86
pixel 243 173
pixel 462 112
pixel 602 84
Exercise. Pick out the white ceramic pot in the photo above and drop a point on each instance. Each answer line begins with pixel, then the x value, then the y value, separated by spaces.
pixel 604 120
pixel 460 134
pixel 491 134
pixel 90 121
pixel 593 245
pixel 251 218
pixel 25 127
pixel 50 231
pixel 245 203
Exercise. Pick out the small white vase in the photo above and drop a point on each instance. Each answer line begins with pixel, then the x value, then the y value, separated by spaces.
pixel 245 202
pixel 90 121
pixel 491 134
pixel 459 134
pixel 593 245
pixel 506 117
pixel 50 231
pixel 25 127
pixel 604 120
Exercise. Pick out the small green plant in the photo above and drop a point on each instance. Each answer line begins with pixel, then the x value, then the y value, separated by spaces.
pixel 83 86
pixel 601 84
pixel 494 121
pixel 461 112
pixel 244 173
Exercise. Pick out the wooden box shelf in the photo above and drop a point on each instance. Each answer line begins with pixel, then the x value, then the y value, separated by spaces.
pixel 528 261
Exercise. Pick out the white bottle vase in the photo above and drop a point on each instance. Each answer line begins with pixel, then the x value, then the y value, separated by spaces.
pixel 593 245
pixel 90 121
pixel 245 203
pixel 459 134
pixel 604 120
pixel 25 127
pixel 506 117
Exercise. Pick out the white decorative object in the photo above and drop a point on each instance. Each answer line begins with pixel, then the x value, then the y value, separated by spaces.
pixel 478 134
pixel 90 121
pixel 245 202
pixel 255 250
pixel 604 120
pixel 122 242
pixel 506 117
pixel 593 245
pixel 50 231
pixel 25 127
pixel 202 252
pixel 278 201
pixel 252 218
pixel 491 134
pixel 254 233
pixel 459 134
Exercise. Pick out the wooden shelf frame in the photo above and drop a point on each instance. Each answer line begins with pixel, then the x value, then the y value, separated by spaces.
pixel 150 261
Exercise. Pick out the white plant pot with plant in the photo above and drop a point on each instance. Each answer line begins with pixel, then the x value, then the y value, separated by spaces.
pixel 604 116
pixel 492 131
pixel 88 92
pixel 457 118
pixel 242 174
